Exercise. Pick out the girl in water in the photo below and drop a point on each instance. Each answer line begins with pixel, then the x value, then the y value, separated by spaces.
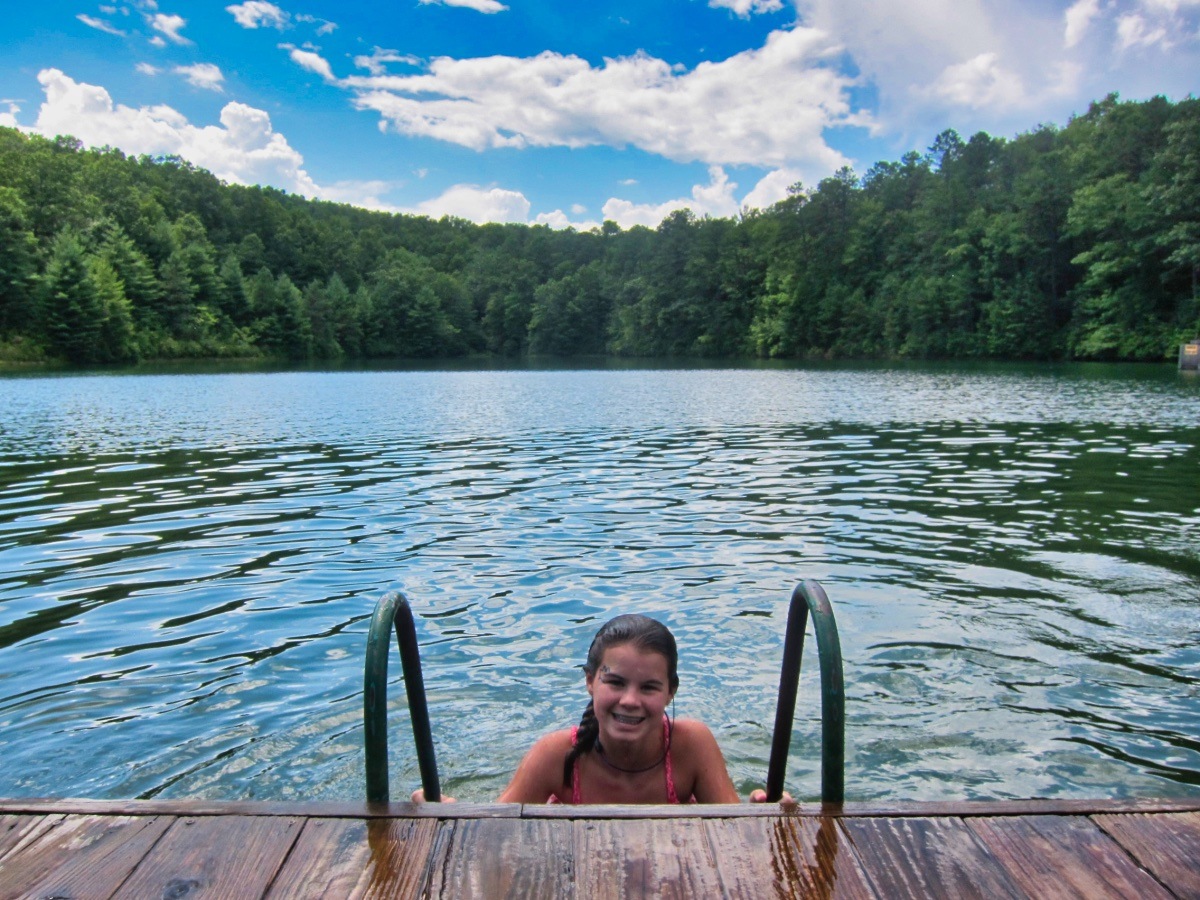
pixel 626 749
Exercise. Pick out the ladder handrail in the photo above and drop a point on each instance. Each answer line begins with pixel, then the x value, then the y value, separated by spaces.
pixel 393 610
pixel 810 596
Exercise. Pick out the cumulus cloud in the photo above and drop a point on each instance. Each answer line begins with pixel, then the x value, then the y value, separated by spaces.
pixel 744 8
pixel 560 220
pixel 979 82
pixel 765 106
pixel 1171 7
pixel 1077 19
pixel 974 64
pixel 202 75
pixel 479 204
pixel 261 14
pixel 144 68
pixel 1134 30
pixel 258 14
pixel 8 118
pixel 244 149
pixel 168 27
pixel 483 6
pixel 100 25
pixel 712 199
pixel 772 188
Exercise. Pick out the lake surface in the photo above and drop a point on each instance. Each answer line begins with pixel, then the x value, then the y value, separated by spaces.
pixel 188 564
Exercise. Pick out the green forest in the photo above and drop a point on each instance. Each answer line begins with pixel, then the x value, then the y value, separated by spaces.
pixel 1075 242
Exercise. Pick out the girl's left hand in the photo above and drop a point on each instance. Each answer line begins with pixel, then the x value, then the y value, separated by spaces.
pixel 758 795
pixel 418 796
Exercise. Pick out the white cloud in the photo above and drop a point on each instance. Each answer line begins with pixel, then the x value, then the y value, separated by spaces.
pixel 479 204
pixel 324 26
pixel 169 27
pixel 360 193
pixel 258 14
pixel 100 25
pixel 9 119
pixel 243 149
pixel 377 62
pixel 1134 30
pixel 979 82
pixel 1171 7
pixel 767 106
pixel 202 75
pixel 144 68
pixel 744 8
pixel 994 65
pixel 483 6
pixel 772 188
pixel 1077 19
pixel 712 199
pixel 309 61
pixel 560 220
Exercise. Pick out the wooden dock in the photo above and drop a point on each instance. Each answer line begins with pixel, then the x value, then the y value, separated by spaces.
pixel 1041 849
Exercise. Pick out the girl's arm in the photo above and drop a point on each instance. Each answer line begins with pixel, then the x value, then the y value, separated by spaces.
pixel 540 773
pixel 713 784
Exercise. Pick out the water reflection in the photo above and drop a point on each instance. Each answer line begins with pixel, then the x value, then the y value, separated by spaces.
pixel 187 564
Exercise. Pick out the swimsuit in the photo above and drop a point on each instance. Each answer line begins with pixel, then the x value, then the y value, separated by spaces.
pixel 672 797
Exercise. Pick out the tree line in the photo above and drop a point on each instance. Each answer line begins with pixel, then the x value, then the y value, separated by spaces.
pixel 1072 242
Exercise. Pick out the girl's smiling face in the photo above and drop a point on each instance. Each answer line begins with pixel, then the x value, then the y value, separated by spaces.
pixel 630 691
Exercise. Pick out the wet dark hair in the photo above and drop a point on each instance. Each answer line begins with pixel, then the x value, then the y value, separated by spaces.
pixel 645 634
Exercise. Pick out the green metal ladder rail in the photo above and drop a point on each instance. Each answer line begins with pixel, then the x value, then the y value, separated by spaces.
pixel 393 611
pixel 809 596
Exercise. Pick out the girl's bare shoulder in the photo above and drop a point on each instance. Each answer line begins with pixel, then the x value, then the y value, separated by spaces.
pixel 559 742
pixel 686 733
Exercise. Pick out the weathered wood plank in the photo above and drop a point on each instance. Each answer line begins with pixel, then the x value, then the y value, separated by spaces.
pixel 80 857
pixel 965 808
pixel 225 856
pixel 357 858
pixel 503 858
pixel 647 858
pixel 325 810
pixel 17 831
pixel 787 858
pixel 359 810
pixel 1168 845
pixel 1064 856
pixel 925 858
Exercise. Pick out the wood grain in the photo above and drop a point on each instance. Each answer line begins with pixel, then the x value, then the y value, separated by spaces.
pixel 226 857
pixel 80 857
pixel 18 831
pixel 1167 845
pixel 486 859
pixel 645 858
pixel 602 852
pixel 786 857
pixel 926 858
pixel 357 858
pixel 1059 856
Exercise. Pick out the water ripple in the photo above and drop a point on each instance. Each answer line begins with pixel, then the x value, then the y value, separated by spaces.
pixel 187 566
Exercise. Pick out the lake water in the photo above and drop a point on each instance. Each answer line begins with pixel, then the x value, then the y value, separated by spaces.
pixel 188 563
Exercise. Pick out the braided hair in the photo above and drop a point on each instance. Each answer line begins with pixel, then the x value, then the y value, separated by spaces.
pixel 645 634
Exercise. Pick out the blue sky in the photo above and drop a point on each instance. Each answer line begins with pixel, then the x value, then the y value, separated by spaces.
pixel 571 112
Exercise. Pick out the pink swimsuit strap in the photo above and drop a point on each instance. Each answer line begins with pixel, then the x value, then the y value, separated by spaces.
pixel 672 797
